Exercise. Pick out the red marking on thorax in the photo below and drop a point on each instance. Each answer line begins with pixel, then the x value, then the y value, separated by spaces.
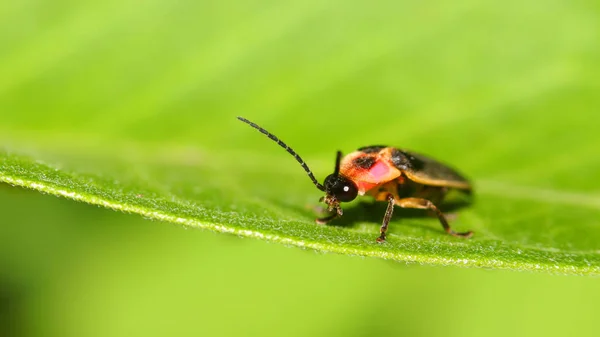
pixel 379 171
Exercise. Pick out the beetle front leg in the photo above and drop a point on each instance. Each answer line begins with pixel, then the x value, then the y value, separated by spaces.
pixel 338 212
pixel 325 220
pixel 386 219
pixel 426 204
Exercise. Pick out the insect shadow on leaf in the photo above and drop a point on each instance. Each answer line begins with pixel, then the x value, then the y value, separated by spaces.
pixel 369 211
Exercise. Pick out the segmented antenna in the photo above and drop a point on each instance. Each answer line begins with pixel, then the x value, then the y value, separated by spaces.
pixel 289 150
pixel 338 159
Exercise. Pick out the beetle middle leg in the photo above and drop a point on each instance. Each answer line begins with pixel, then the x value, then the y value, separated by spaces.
pixel 386 219
pixel 426 204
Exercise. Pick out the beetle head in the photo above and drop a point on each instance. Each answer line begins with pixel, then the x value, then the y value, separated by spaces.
pixel 338 188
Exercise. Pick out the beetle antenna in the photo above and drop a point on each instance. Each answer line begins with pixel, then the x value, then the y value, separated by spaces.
pixel 288 149
pixel 338 159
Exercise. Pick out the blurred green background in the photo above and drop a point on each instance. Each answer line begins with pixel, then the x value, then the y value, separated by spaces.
pixel 506 91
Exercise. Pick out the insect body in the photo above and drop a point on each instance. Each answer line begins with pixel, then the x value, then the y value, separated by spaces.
pixel 398 177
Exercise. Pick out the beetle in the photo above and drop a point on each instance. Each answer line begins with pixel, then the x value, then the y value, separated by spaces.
pixel 399 177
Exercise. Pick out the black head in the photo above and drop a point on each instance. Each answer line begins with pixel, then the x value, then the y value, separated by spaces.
pixel 340 187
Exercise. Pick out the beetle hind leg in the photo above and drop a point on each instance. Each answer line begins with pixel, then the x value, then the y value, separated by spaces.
pixel 426 204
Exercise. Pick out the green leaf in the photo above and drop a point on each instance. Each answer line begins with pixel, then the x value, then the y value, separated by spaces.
pixel 135 111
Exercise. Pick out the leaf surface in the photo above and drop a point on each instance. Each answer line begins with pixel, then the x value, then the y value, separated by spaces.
pixel 135 111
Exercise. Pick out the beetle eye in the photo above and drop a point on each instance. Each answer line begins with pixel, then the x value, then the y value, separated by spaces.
pixel 343 189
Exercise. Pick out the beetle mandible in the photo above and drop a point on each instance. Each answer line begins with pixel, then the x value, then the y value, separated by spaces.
pixel 398 177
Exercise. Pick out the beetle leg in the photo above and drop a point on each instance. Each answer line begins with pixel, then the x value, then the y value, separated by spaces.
pixel 323 221
pixel 386 218
pixel 426 204
pixel 338 213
